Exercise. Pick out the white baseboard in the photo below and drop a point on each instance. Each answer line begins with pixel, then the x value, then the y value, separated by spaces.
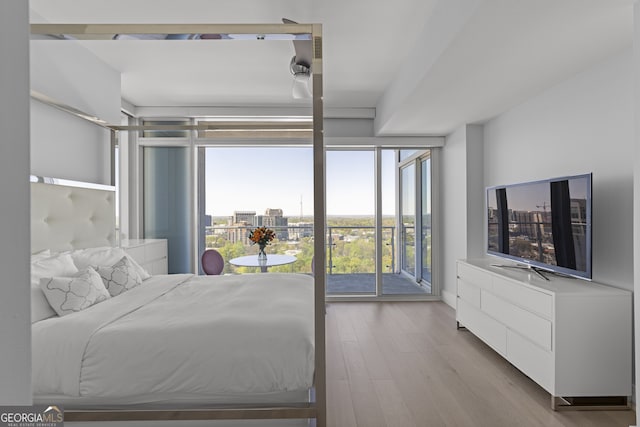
pixel 449 298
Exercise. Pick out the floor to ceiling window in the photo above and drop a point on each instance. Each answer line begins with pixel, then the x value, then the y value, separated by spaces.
pixel 426 213
pixel 416 219
pixel 392 282
pixel 372 208
pixel 379 210
pixel 408 219
pixel 242 188
pixel 351 251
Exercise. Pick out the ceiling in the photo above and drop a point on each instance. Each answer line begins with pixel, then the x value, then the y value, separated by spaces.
pixel 425 66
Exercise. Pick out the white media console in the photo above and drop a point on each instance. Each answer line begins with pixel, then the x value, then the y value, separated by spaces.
pixel 571 336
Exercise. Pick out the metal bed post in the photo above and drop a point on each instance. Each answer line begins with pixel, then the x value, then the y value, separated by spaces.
pixel 319 226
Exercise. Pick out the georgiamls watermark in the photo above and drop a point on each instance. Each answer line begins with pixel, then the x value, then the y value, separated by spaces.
pixel 32 416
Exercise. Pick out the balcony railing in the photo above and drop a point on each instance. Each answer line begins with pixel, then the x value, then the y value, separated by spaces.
pixel 350 255
pixel 350 249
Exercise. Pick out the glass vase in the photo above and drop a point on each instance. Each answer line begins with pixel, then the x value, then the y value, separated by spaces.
pixel 262 255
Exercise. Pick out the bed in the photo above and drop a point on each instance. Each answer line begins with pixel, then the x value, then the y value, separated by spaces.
pixel 74 225
pixel 181 339
pixel 164 347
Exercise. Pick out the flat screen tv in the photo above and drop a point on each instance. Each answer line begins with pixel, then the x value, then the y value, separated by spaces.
pixel 543 225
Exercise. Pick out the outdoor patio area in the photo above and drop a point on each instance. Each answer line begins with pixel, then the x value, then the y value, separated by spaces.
pixel 364 283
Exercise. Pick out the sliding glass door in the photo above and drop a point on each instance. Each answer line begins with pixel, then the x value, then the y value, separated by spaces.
pixel 408 219
pixel 351 234
pixel 426 260
pixel 415 219
pixel 378 223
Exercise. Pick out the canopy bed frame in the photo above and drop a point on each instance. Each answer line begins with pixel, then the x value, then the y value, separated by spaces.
pixel 306 32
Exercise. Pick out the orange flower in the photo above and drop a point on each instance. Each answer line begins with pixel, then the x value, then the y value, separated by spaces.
pixel 262 236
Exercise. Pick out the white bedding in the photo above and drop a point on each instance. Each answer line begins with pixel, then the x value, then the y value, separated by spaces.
pixel 178 335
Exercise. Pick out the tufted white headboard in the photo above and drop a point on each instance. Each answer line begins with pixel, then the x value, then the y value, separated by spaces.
pixel 65 217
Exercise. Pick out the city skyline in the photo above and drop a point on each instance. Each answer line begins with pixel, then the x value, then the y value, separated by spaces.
pixel 256 179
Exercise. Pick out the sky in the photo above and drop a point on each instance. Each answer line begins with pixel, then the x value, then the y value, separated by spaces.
pixel 537 195
pixel 254 179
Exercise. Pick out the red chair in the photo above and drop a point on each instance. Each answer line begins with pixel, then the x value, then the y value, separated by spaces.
pixel 212 262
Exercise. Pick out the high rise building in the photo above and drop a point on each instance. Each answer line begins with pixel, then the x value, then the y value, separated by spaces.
pixel 298 230
pixel 274 219
pixel 242 222
pixel 273 212
pixel 247 217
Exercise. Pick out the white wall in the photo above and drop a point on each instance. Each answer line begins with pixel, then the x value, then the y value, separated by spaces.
pixel 584 124
pixel 15 324
pixel 454 217
pixel 462 196
pixel 475 191
pixel 636 193
pixel 63 146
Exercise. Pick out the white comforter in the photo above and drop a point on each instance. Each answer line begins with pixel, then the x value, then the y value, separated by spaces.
pixel 183 334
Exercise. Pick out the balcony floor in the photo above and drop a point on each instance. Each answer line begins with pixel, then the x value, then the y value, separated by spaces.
pixel 364 283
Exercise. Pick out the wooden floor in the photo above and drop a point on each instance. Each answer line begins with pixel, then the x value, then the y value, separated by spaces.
pixel 400 364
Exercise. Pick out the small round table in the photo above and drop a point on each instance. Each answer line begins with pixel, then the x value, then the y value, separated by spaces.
pixel 271 261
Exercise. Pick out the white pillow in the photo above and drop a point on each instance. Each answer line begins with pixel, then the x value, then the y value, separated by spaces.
pixel 57 265
pixel 104 256
pixel 120 277
pixel 68 295
pixel 39 255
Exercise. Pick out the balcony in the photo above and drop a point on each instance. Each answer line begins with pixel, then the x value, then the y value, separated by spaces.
pixel 350 256
pixel 364 284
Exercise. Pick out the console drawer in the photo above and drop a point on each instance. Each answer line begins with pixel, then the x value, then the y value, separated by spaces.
pixel 469 292
pixel 473 275
pixel 531 326
pixel 530 299
pixel 489 330
pixel 535 362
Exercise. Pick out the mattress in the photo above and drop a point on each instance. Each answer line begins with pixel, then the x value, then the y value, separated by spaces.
pixel 182 339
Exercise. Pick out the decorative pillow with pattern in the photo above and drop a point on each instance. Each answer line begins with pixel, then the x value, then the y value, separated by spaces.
pixel 68 295
pixel 57 265
pixel 120 277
